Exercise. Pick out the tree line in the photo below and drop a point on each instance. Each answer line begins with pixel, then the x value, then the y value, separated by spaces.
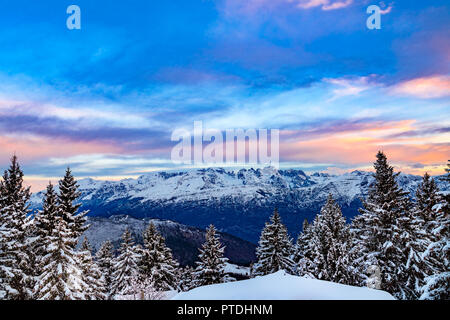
pixel 395 244
pixel 41 256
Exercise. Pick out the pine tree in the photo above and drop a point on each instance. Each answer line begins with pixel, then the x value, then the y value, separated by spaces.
pixel 437 255
pixel 275 249
pixel 156 261
pixel 16 257
pixel 4 234
pixel 68 194
pixel 378 228
pixel 211 267
pixel 61 277
pixel 143 289
pixel 91 274
pixel 302 243
pixel 44 224
pixel 417 234
pixel 427 197
pixel 105 259
pixel 186 278
pixel 302 249
pixel 328 256
pixel 125 267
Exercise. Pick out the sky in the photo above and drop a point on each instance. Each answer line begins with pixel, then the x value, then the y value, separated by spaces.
pixel 105 99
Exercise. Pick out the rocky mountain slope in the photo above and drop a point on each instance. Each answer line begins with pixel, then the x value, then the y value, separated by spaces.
pixel 183 240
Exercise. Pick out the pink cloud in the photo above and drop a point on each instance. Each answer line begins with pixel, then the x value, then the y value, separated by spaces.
pixel 308 4
pixel 337 5
pixel 386 9
pixel 30 148
pixel 425 88
pixel 357 145
pixel 252 6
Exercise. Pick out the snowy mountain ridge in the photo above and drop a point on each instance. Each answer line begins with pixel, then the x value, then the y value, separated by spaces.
pixel 237 202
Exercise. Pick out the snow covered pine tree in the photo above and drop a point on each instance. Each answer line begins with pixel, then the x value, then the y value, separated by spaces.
pixel 61 277
pixel 105 259
pixel 378 228
pixel 156 261
pixel 437 255
pixel 417 235
pixel 68 194
pixel 328 255
pixel 211 267
pixel 125 267
pixel 92 277
pixel 44 224
pixel 16 254
pixel 186 278
pixel 274 250
pixel 302 249
pixel 62 272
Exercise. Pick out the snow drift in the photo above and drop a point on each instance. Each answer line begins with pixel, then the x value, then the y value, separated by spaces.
pixel 282 286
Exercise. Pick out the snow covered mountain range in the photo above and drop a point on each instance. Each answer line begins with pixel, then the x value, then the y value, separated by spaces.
pixel 238 202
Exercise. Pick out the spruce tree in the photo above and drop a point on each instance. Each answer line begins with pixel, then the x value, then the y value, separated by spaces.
pixel 378 228
pixel 61 277
pixel 329 257
pixel 126 269
pixel 68 194
pixel 45 219
pixel 437 284
pixel 427 197
pixel 417 234
pixel 16 256
pixel 211 267
pixel 105 259
pixel 302 243
pixel 275 249
pixel 302 250
pixel 437 255
pixel 157 263
pixel 186 278
pixel 4 233
pixel 91 274
pixel 44 223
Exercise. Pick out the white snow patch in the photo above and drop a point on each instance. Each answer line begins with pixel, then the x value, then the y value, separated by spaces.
pixel 233 268
pixel 281 286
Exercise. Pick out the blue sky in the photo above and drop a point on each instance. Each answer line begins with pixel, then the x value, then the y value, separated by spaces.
pixel 105 99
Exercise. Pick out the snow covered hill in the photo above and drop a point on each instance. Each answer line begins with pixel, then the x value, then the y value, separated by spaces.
pixel 281 286
pixel 237 202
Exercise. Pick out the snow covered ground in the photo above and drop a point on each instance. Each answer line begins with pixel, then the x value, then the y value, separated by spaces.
pixel 235 269
pixel 281 286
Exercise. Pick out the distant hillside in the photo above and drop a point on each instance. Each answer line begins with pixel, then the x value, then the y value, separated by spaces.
pixel 183 240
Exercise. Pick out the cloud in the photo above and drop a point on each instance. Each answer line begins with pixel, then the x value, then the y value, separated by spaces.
pixel 425 88
pixel 354 145
pixel 349 86
pixel 336 5
pixel 252 6
pixel 30 148
pixel 386 9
